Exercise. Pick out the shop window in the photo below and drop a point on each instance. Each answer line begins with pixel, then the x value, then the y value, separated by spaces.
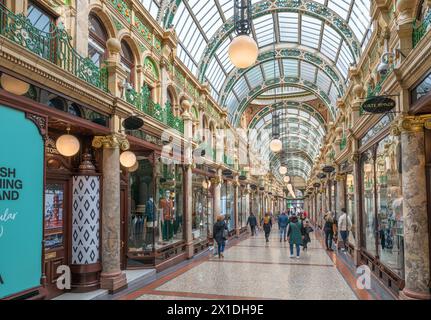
pixel 97 37
pixel 128 62
pixel 383 217
pixel 351 206
pixel 40 18
pixel 369 218
pixel 202 215
pixel 54 207
pixel 422 89
pixel 389 205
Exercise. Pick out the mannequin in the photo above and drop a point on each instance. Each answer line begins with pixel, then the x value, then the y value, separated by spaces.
pixel 167 210
pixel 151 221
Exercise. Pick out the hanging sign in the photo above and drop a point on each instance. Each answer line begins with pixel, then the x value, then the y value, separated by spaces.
pixel 380 104
pixel 21 202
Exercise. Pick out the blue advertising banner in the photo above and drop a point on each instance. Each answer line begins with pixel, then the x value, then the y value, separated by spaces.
pixel 21 202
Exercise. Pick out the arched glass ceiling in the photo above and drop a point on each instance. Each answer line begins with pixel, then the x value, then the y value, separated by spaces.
pixel 256 76
pixel 152 6
pixel 336 28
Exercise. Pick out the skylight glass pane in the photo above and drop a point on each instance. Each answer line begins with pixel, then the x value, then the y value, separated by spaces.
pixel 290 67
pixel 341 7
pixel 311 29
pixel 254 77
pixel 215 74
pixel 152 6
pixel 330 43
pixel 344 60
pixel 231 102
pixel 308 71
pixel 264 27
pixel 288 26
pixel 241 88
pixel 360 19
pixel 323 81
pixel 223 55
pixel 270 71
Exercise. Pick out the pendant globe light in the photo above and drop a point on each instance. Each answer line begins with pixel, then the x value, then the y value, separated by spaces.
pixel 128 159
pixel 14 85
pixel 276 145
pixel 282 170
pixel 67 145
pixel 286 179
pixel 243 50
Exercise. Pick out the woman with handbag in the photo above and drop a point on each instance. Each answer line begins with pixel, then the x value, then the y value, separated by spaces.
pixel 267 225
pixel 220 233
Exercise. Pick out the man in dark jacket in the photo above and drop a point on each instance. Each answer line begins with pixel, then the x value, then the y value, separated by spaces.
pixel 283 220
pixel 252 221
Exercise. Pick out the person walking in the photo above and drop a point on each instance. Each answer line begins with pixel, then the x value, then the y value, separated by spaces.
pixel 294 233
pixel 220 232
pixel 306 230
pixel 328 229
pixel 267 225
pixel 252 221
pixel 283 220
pixel 344 226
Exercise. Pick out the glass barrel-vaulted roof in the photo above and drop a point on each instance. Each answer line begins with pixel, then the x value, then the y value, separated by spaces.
pixel 336 28
pixel 305 47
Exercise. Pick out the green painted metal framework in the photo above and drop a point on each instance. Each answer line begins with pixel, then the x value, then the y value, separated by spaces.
pixel 304 46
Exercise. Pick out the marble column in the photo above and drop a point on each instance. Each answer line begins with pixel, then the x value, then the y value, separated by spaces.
pixel 354 161
pixel 112 278
pixel 415 215
pixel 188 174
pixel 188 204
pixel 235 205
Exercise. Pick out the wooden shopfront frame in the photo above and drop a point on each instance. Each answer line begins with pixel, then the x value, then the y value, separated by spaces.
pixel 169 255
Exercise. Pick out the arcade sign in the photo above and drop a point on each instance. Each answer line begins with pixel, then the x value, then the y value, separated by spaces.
pixel 379 104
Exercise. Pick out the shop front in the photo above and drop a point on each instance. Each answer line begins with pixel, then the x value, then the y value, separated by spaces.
pixel 349 200
pixel 153 219
pixel 382 224
pixel 69 218
pixel 202 210
pixel 227 204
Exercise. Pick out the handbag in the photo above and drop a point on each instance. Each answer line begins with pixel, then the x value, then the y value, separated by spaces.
pixel 225 233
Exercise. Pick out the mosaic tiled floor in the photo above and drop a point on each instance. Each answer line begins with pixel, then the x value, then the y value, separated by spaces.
pixel 253 269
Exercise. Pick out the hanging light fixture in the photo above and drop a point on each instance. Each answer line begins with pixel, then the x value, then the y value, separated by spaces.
pixel 67 144
pixel 286 179
pixel 243 50
pixel 14 85
pixel 128 159
pixel 282 170
pixel 135 167
pixel 276 144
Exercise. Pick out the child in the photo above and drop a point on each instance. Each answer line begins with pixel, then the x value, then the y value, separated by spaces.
pixel 306 229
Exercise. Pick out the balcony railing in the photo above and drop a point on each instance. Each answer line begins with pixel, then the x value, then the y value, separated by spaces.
pixel 54 46
pixel 420 30
pixel 143 102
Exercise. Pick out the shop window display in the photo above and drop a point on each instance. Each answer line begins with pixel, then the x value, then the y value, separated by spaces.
pixel 54 206
pixel 333 197
pixel 389 205
pixel 156 208
pixel 351 206
pixel 369 219
pixel 227 204
pixel 202 213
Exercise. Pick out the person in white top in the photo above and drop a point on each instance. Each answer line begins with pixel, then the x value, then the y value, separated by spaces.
pixel 344 226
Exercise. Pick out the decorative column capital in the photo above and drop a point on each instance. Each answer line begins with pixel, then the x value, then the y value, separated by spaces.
pixel 216 180
pixel 406 123
pixel 354 157
pixel 113 141
pixel 340 177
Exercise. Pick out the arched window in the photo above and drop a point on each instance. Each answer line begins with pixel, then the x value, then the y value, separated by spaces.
pixel 97 37
pixel 128 61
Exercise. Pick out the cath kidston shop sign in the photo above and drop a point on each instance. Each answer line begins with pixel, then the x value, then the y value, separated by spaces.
pixel 21 202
